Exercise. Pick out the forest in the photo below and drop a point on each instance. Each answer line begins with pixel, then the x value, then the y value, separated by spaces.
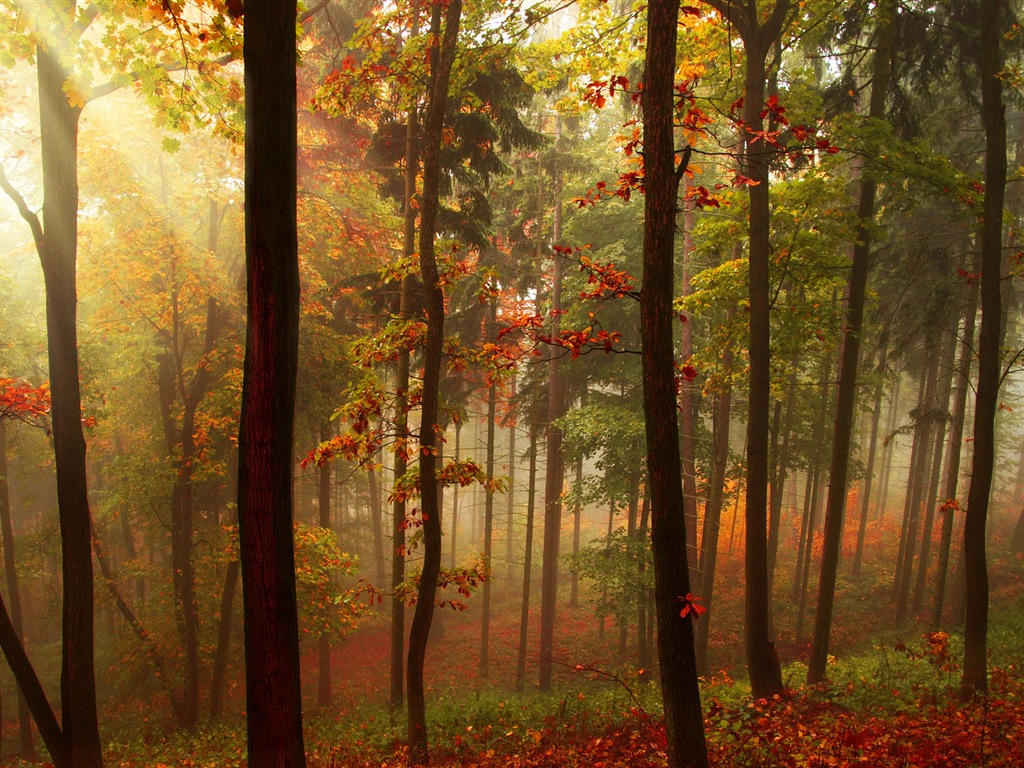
pixel 701 320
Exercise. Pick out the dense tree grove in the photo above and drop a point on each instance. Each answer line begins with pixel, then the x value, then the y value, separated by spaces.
pixel 472 382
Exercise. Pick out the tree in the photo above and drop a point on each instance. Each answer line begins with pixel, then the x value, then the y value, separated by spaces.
pixel 56 240
pixel 835 505
pixel 684 723
pixel 441 58
pixel 975 674
pixel 758 37
pixel 273 692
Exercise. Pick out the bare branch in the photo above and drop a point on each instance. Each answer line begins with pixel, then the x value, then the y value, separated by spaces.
pixel 26 213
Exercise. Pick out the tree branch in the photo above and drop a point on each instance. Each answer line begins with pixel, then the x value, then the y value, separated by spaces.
pixel 27 214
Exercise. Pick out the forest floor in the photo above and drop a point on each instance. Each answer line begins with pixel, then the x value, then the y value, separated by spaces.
pixel 891 700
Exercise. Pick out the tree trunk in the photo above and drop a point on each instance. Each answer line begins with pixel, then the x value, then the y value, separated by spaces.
pixel 455 500
pixel 323 663
pixel 510 499
pixel 762 659
pixel 955 445
pixel 398 520
pixel 945 386
pixel 889 447
pixel 377 523
pixel 554 467
pixel 524 610
pixel 846 397
pixel 922 475
pixel 220 659
pixel 485 619
pixel 58 120
pixel 684 722
pixel 713 516
pixel 265 439
pixel 441 56
pixel 869 471
pixel 577 514
pixel 25 740
pixel 975 674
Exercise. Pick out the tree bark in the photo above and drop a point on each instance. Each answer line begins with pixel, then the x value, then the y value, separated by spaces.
pixel 684 722
pixel 524 610
pixel 220 659
pixel 869 471
pixel 266 431
pixel 441 56
pixel 846 397
pixel 555 471
pixel 975 674
pixel 26 743
pixel 57 245
pixel 485 619
pixel 713 517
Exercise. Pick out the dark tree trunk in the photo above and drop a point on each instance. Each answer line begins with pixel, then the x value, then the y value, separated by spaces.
pixel 945 386
pixel 713 517
pixel 441 57
pixel 762 659
pixel 182 447
pixel 220 659
pixel 402 426
pixel 975 675
pixel 28 683
pixel 921 469
pixel 869 471
pixel 889 449
pixel 377 522
pixel 485 619
pixel 510 499
pixel 524 610
pixel 323 663
pixel 25 740
pixel 955 440
pixel 266 431
pixel 684 722
pixel 577 514
pixel 455 500
pixel 58 120
pixel 846 397
pixel 555 470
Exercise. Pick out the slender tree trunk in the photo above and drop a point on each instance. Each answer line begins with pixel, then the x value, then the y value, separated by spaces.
pixel 377 523
pixel 762 659
pixel 553 479
pixel 485 619
pixel 58 120
pixel 889 447
pixel 869 471
pixel 955 444
pixel 945 386
pixel 25 740
pixel 510 500
pixel 323 663
pixel 402 427
pixel 713 517
pixel 577 515
pixel 220 659
pixel 684 722
pixel 455 499
pixel 265 440
pixel 524 610
pixel 835 505
pixel 975 674
pixel 441 57
pixel 922 475
pixel 913 471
